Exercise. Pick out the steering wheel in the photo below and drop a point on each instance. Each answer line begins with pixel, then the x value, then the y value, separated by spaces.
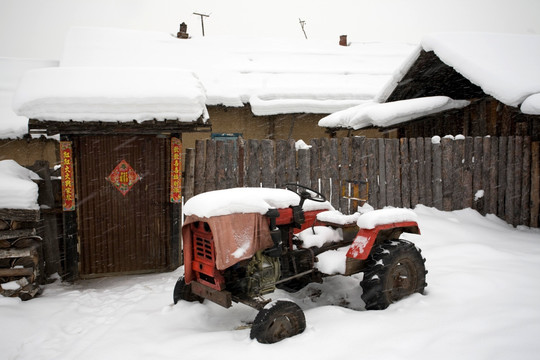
pixel 305 193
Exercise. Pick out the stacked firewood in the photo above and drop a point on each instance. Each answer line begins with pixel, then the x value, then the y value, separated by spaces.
pixel 21 259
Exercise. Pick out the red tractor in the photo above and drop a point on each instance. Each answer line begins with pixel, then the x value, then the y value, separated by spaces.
pixel 241 244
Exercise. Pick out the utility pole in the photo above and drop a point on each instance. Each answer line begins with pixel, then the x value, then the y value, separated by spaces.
pixel 202 20
pixel 302 23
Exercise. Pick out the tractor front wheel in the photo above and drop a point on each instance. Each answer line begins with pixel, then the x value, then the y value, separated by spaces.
pixel 182 291
pixel 278 321
pixel 395 269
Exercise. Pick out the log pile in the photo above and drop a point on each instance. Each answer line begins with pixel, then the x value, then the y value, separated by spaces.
pixel 21 259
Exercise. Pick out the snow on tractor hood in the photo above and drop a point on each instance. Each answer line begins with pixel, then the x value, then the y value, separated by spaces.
pixel 246 200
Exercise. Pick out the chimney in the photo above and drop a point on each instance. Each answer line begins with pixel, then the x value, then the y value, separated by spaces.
pixel 343 40
pixel 182 34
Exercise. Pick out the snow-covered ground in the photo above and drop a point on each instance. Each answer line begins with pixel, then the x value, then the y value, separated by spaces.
pixel 481 303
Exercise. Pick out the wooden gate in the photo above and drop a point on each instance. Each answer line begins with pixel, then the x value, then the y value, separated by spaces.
pixel 123 212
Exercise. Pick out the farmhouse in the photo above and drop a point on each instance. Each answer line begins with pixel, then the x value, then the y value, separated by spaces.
pixel 120 154
pixel 473 84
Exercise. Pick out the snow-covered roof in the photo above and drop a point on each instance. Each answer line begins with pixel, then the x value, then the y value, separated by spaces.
pixel 17 190
pixel 246 200
pixel 505 66
pixel 110 94
pixel 11 70
pixel 273 75
pixel 388 114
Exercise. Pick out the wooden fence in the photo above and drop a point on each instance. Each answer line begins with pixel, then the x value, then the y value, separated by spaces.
pixel 496 175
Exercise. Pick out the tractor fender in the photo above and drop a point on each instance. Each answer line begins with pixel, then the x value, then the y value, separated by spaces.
pixel 366 238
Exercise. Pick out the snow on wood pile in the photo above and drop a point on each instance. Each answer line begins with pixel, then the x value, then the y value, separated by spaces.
pixel 17 188
pixel 246 200
pixel 110 94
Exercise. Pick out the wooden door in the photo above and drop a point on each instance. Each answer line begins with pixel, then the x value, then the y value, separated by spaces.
pixel 122 228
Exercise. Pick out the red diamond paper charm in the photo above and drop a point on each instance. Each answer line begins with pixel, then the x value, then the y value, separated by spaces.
pixel 123 177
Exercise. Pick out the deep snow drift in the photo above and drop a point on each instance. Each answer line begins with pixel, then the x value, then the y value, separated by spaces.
pixel 481 303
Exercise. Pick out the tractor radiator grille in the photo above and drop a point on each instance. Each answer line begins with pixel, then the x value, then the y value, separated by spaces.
pixel 203 250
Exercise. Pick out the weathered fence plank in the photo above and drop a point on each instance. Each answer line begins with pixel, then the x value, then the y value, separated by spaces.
pixel 535 184
pixel 413 172
pixel 526 182
pixel 334 171
pixel 315 168
pixel 200 165
pixel 501 180
pixel 492 175
pixel 405 173
pixel 468 173
pixel 345 170
pixel 304 170
pixel 290 162
pixel 477 174
pixel 486 163
pixel 518 150
pixel 510 183
pixel 447 172
pixel 210 166
pixel 268 163
pixel 421 168
pixel 281 166
pixel 428 180
pixel 189 177
pixel 390 152
pixel 382 174
pixel 372 173
pixel 458 159
pixel 437 176
pixel 253 166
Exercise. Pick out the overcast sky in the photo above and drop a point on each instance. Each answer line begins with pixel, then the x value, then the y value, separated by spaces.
pixel 37 28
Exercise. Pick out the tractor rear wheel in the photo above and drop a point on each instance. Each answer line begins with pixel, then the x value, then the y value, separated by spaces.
pixel 281 320
pixel 395 269
pixel 182 291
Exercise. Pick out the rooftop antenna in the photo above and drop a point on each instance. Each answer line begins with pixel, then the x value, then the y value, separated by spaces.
pixel 302 23
pixel 202 20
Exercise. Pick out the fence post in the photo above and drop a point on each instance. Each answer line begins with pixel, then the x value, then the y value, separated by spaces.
pixel 346 172
pixel 200 165
pixel 526 182
pixel 405 173
pixel 268 163
pixel 447 173
pixel 189 175
pixel 535 184
pixel 501 190
pixel 210 166
pixel 428 179
pixel 437 176
pixel 253 167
